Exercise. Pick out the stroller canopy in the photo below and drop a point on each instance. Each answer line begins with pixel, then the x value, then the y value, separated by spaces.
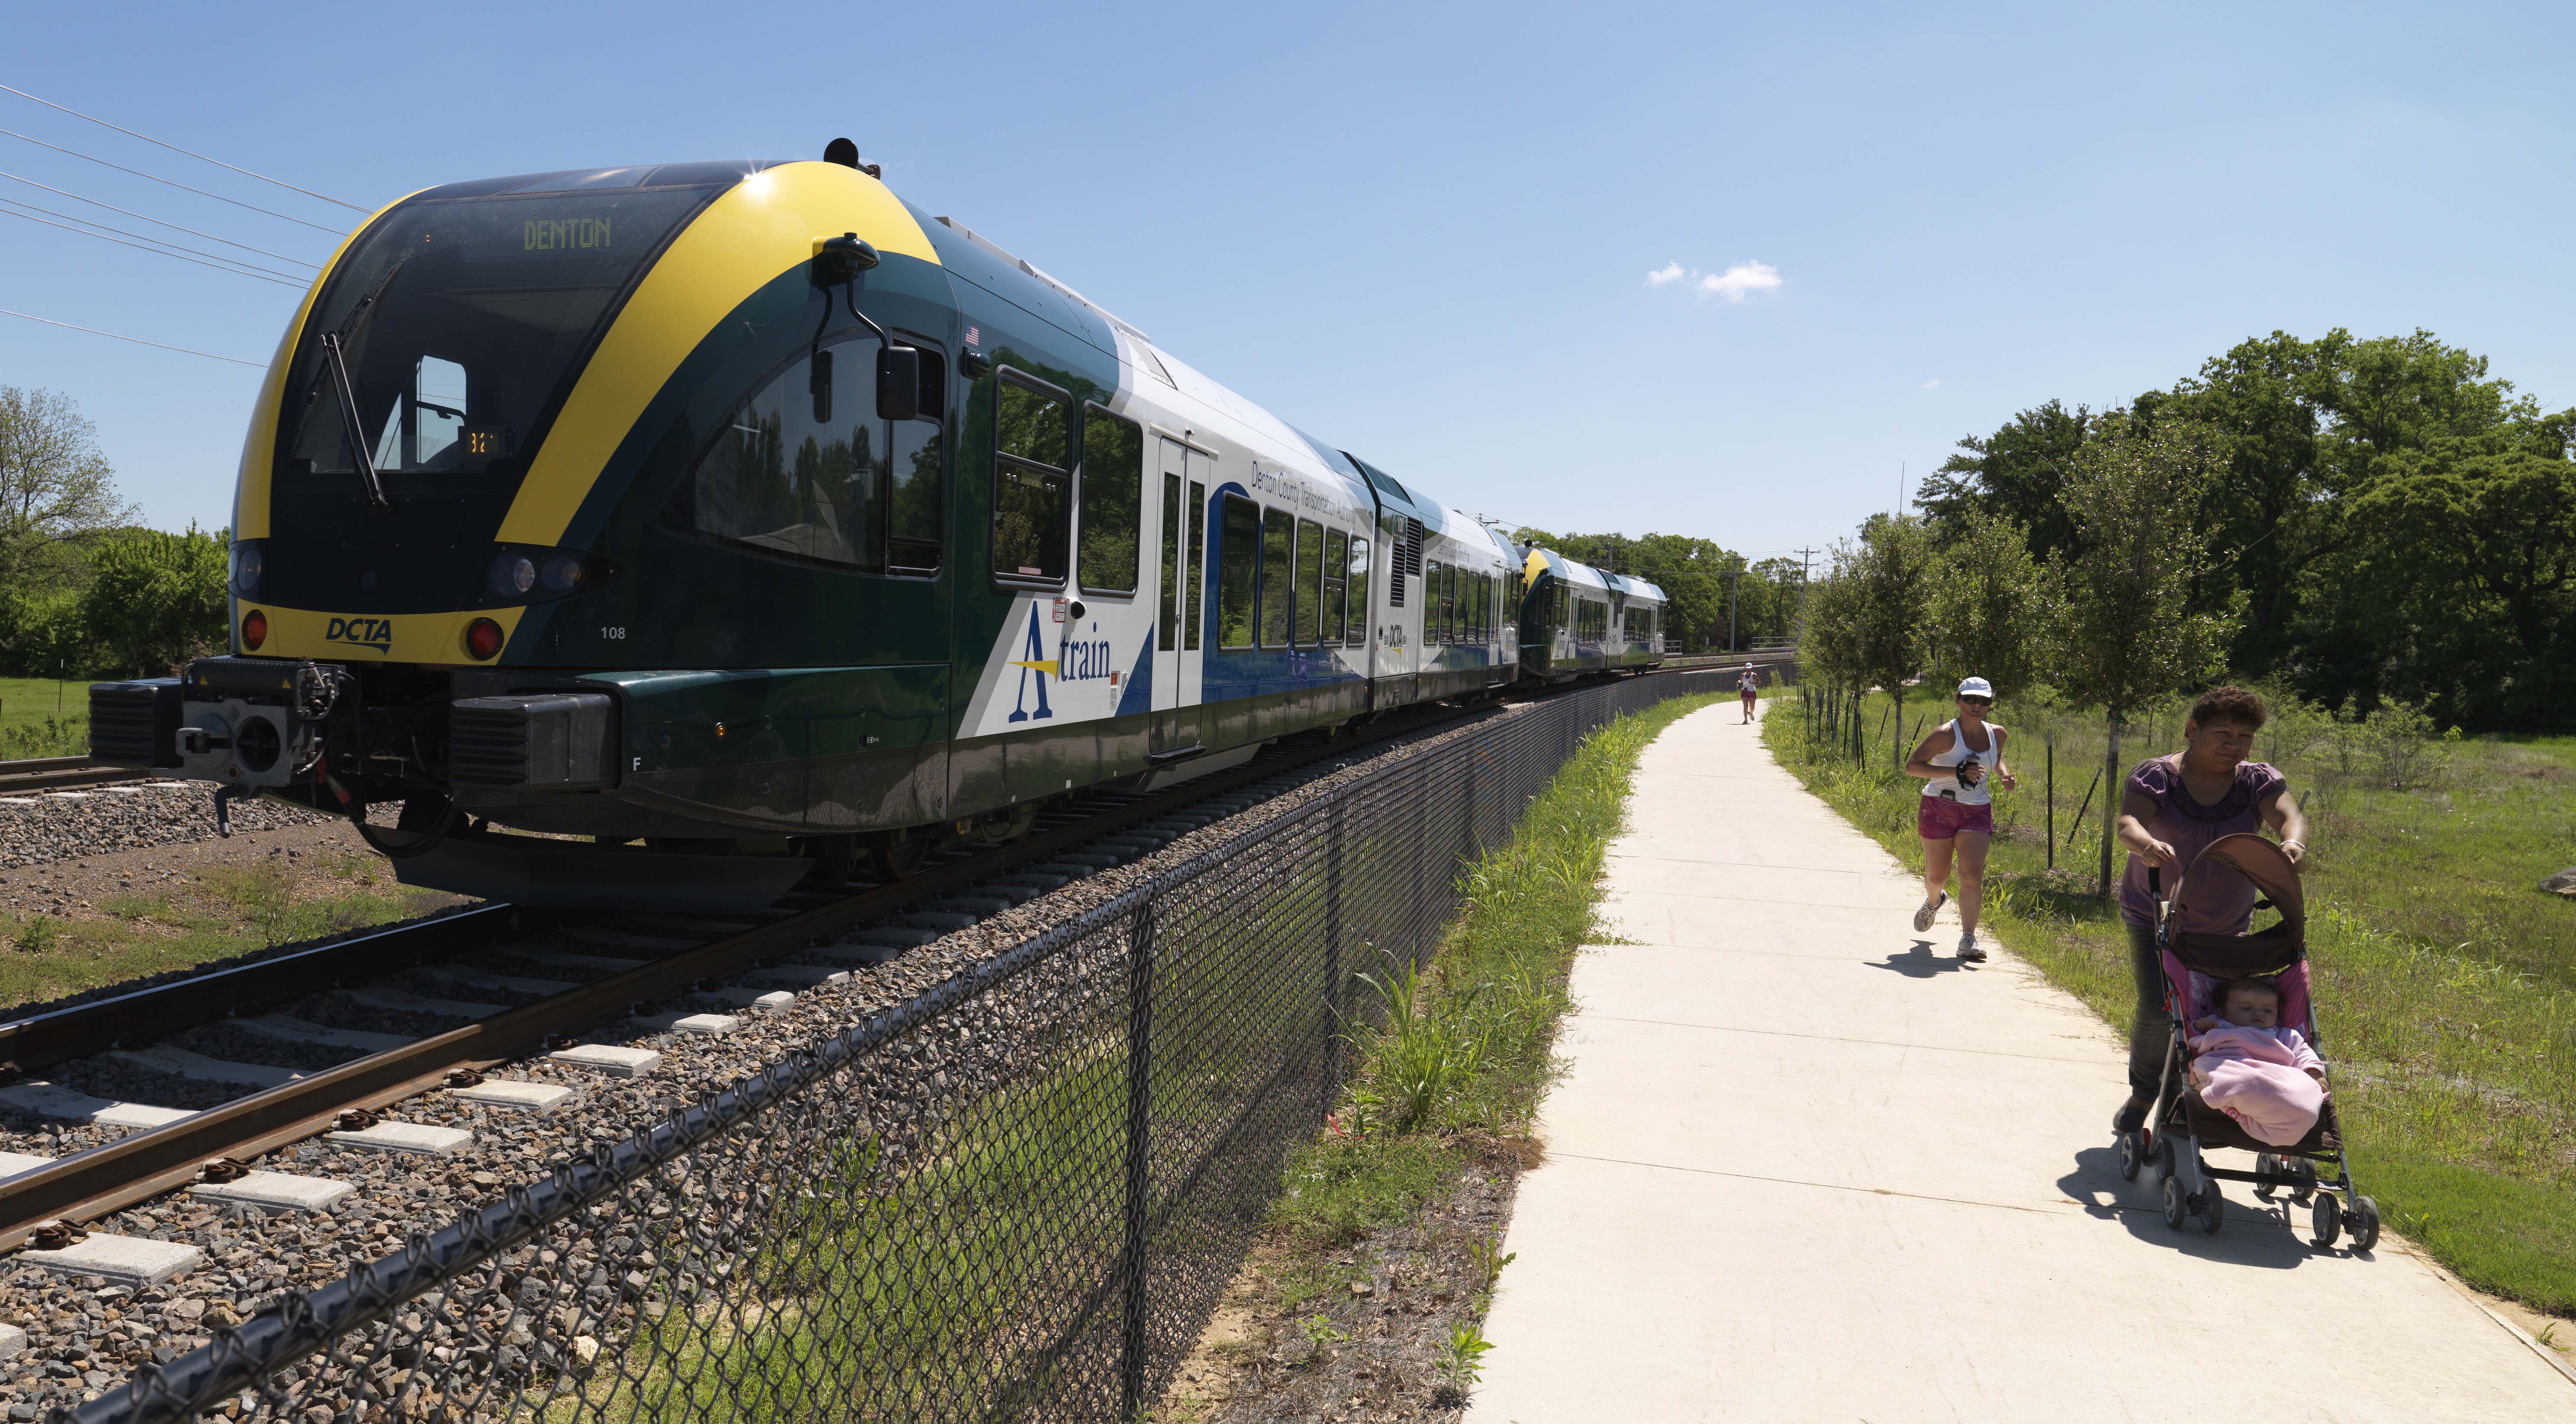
pixel 2215 870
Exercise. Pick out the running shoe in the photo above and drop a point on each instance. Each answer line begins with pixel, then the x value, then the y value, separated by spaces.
pixel 1923 916
pixel 1970 950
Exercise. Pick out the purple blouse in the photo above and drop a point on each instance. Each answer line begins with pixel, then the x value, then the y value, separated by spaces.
pixel 2222 901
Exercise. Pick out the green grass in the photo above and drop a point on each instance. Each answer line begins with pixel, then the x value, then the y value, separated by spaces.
pixel 2446 980
pixel 1466 1046
pixel 235 911
pixel 28 703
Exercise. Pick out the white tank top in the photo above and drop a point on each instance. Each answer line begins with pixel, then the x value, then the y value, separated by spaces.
pixel 1948 787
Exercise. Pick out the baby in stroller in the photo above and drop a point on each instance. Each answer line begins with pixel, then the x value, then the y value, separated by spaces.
pixel 2248 1066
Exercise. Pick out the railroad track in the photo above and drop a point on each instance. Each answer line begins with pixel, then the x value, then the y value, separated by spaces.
pixel 632 962
pixel 19 778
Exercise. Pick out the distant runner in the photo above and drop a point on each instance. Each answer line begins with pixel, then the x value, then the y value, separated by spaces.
pixel 1956 814
pixel 1749 683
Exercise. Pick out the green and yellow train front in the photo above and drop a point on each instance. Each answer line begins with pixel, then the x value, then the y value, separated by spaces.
pixel 512 539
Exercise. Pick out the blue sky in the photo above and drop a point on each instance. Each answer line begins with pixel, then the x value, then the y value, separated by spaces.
pixel 1427 233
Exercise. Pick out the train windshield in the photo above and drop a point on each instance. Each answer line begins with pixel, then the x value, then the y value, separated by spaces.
pixel 463 319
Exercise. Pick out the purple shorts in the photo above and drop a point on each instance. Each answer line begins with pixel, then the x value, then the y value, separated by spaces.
pixel 1941 819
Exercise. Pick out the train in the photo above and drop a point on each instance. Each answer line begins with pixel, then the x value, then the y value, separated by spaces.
pixel 666 535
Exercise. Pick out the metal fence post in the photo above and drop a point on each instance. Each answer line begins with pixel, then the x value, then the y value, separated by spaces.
pixel 1140 1100
pixel 1332 952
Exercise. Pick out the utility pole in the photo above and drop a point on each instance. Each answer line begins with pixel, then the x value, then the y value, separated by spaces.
pixel 1732 575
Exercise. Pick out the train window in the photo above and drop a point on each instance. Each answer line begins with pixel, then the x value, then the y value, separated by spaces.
pixel 1278 557
pixel 1431 600
pixel 1237 564
pixel 1113 493
pixel 1031 431
pixel 1484 608
pixel 1191 615
pixel 1449 604
pixel 1337 564
pixel 1356 628
pixel 1169 614
pixel 916 507
pixel 1310 583
pixel 779 481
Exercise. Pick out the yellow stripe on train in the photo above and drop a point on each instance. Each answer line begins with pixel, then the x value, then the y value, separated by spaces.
pixel 374 638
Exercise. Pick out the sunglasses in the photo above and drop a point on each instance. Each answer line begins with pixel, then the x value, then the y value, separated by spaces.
pixel 1978 701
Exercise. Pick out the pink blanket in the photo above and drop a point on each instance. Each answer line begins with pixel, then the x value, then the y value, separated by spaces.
pixel 2258 1077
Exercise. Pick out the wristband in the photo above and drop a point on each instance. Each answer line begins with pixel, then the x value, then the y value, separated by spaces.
pixel 2285 845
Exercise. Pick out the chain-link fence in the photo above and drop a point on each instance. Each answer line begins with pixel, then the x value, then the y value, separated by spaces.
pixel 1015 1196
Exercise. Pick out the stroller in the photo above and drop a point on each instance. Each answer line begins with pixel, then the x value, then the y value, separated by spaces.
pixel 2194 965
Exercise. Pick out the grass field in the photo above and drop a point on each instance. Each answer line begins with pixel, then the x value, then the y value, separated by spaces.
pixel 2446 980
pixel 42 717
pixel 231 910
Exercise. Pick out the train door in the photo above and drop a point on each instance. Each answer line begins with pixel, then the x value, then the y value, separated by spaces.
pixel 1181 498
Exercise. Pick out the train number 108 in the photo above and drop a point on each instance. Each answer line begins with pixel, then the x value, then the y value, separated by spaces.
pixel 612 634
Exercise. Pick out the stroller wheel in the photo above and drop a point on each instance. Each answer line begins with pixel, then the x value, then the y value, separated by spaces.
pixel 2132 1156
pixel 2365 1223
pixel 2175 1207
pixel 2212 1209
pixel 2325 1223
pixel 2265 1164
pixel 2307 1191
pixel 2164 1157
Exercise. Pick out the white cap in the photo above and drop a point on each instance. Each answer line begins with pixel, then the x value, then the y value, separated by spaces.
pixel 1976 687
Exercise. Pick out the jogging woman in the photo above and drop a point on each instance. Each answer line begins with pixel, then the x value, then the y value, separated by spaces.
pixel 1956 816
pixel 1748 683
pixel 2173 807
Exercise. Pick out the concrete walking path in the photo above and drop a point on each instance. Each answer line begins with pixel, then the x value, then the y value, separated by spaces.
pixel 1808 1165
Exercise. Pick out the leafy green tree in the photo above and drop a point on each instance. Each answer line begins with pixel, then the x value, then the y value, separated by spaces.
pixel 1985 601
pixel 155 600
pixel 2118 626
pixel 56 490
pixel 2018 472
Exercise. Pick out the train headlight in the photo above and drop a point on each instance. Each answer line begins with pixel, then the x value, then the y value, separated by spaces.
pixel 250 561
pixel 513 575
pixel 531 573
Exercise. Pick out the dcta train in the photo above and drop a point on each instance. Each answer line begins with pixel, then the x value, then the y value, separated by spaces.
pixel 658 536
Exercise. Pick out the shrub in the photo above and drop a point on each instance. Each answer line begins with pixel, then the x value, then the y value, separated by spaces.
pixel 155 600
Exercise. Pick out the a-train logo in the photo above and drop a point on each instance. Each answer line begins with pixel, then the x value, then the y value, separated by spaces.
pixel 376 633
pixel 1033 661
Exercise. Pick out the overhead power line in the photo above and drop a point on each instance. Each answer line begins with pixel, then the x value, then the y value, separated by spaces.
pixel 139 173
pixel 143 237
pixel 137 340
pixel 146 217
pixel 174 148
pixel 155 251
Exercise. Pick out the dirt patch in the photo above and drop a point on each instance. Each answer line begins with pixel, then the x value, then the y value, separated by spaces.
pixel 1362 1330
pixel 74 889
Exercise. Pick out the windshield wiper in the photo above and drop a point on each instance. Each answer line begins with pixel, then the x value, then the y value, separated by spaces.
pixel 338 371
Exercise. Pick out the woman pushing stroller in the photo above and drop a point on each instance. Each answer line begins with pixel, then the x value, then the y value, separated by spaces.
pixel 2172 808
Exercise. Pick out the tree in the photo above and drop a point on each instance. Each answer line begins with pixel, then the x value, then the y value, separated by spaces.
pixel 56 489
pixel 155 600
pixel 1891 576
pixel 2017 472
pixel 2118 627
pixel 1985 591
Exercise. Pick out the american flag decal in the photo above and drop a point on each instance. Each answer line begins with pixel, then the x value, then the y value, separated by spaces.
pixel 974 337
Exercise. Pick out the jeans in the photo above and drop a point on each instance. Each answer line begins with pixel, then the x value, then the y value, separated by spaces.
pixel 2151 1031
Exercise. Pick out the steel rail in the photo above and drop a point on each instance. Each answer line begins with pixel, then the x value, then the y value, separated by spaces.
pixel 128 1019
pixel 108 1178
pixel 54 773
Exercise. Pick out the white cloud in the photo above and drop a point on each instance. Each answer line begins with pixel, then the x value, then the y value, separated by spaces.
pixel 1931 385
pixel 1741 280
pixel 1734 284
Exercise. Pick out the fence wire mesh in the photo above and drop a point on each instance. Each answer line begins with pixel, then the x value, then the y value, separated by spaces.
pixel 1015 1196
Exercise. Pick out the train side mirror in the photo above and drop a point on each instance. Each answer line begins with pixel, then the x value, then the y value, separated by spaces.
pixel 898 383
